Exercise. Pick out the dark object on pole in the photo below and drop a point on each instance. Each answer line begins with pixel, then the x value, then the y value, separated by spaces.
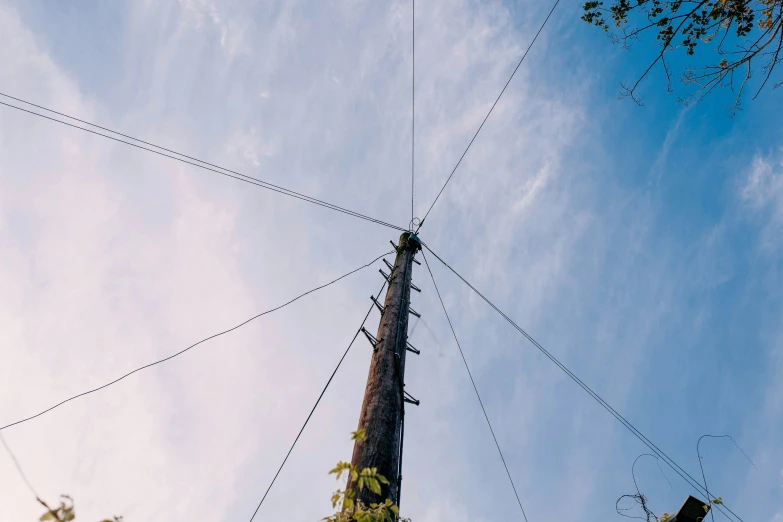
pixel 383 408
pixel 692 510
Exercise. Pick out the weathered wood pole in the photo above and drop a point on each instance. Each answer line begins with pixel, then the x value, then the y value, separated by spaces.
pixel 382 408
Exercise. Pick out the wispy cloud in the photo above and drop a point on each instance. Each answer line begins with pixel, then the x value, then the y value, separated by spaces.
pixel 112 258
pixel 762 191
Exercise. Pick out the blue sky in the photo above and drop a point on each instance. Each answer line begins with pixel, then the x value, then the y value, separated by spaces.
pixel 640 245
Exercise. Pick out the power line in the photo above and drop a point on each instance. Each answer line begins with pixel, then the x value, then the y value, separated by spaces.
pixel 669 461
pixel 192 345
pixel 639 498
pixel 481 403
pixel 701 465
pixel 316 404
pixel 190 160
pixel 488 113
pixel 647 442
pixel 18 466
pixel 413 99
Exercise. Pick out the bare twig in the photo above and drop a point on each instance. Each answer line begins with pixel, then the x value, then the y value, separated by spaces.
pixel 740 32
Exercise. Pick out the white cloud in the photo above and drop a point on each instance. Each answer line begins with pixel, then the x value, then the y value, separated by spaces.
pixel 98 280
pixel 198 12
pixel 112 258
pixel 762 191
pixel 764 182
pixel 249 146
pixel 115 258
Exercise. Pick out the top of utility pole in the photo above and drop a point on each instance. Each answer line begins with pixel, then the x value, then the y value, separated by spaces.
pixel 411 240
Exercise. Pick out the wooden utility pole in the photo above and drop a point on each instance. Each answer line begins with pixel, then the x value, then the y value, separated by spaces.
pixel 383 408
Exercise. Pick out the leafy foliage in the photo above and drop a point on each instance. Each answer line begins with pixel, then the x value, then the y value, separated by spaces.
pixel 65 511
pixel 348 507
pixel 740 33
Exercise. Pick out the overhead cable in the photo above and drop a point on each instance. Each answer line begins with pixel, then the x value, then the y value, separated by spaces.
pixel 701 464
pixel 668 460
pixel 488 113
pixel 413 98
pixel 328 382
pixel 192 345
pixel 478 396
pixel 184 158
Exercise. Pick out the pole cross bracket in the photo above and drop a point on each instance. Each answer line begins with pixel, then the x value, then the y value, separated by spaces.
pixel 407 397
pixel 414 287
pixel 414 312
pixel 386 276
pixel 373 341
pixel 391 266
pixel 380 307
pixel 413 349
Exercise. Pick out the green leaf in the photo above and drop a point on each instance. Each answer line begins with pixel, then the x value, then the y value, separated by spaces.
pixel 340 468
